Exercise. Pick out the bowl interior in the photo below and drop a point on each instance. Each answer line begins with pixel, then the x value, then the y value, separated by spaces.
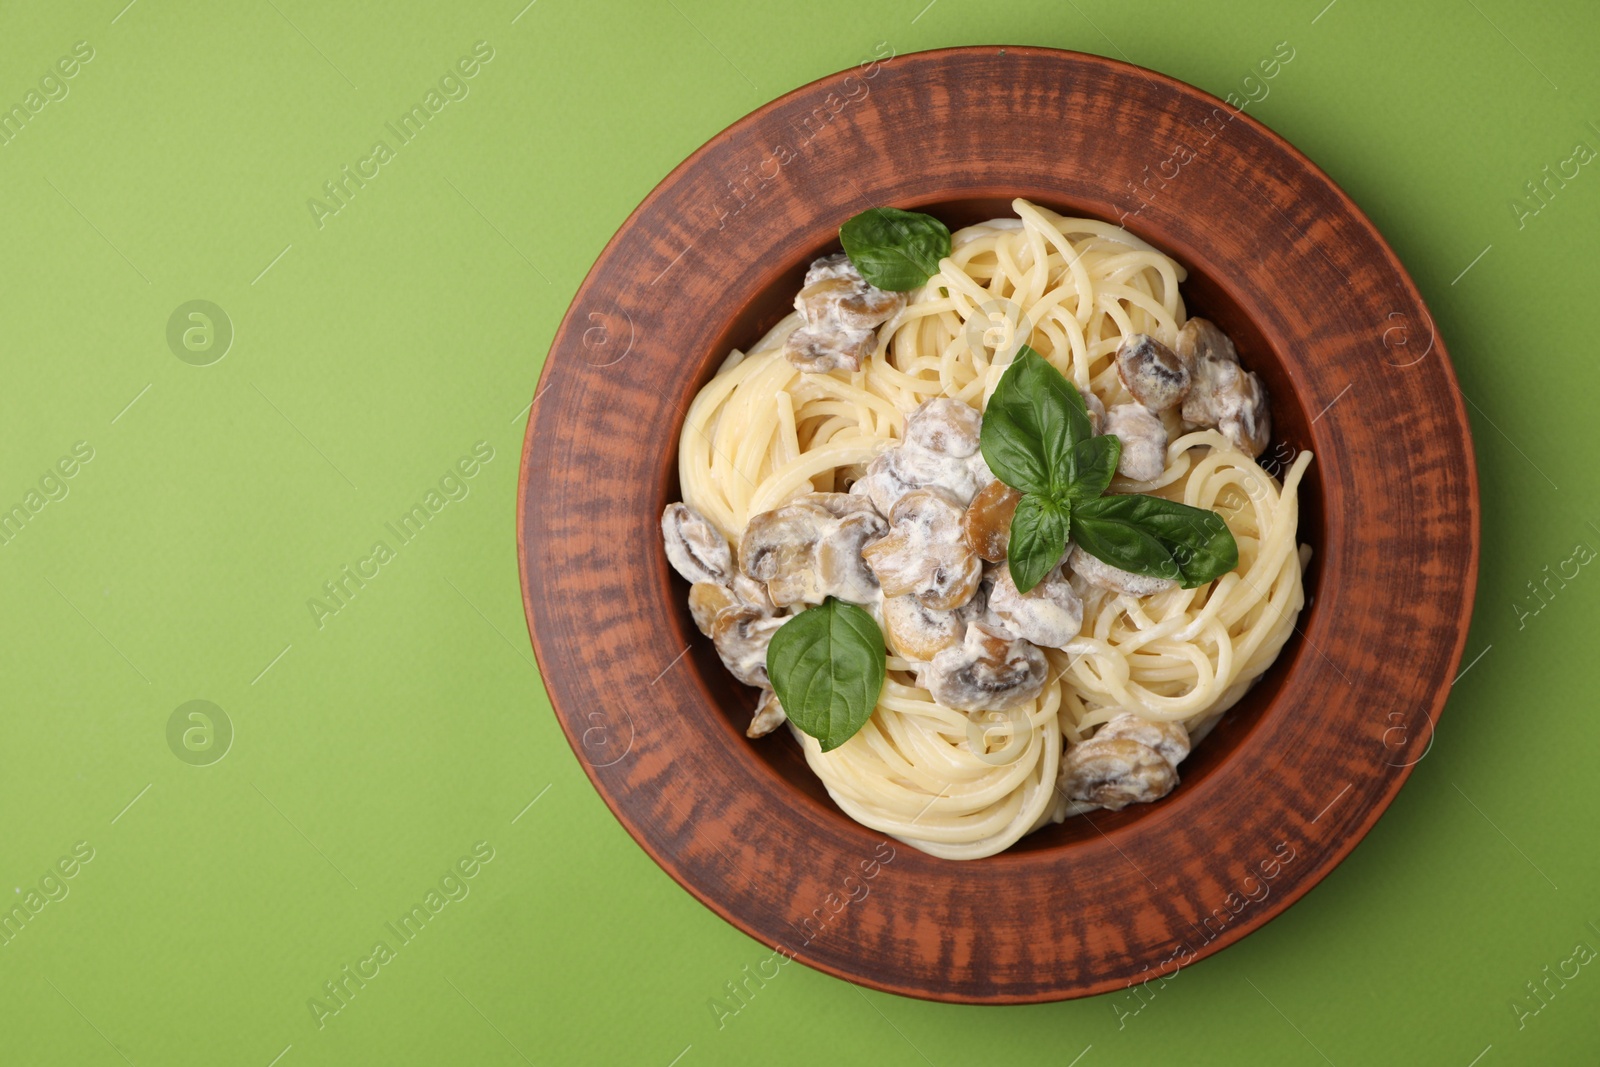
pixel 1205 293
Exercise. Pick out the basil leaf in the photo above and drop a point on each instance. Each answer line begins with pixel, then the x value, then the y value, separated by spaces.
pixel 1093 464
pixel 827 666
pixel 1040 414
pixel 894 249
pixel 1038 539
pixel 1012 455
pixel 1156 537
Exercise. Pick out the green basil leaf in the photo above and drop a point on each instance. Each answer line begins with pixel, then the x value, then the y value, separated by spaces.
pixel 1156 537
pixel 1012 455
pixel 1093 464
pixel 894 249
pixel 827 666
pixel 1038 539
pixel 1039 414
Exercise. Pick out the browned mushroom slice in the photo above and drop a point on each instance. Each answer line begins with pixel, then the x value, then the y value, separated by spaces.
pixel 945 426
pixel 706 601
pixel 768 717
pixel 849 303
pixel 1115 773
pixel 841 570
pixel 1224 394
pixel 987 522
pixel 1100 573
pixel 924 554
pixel 1144 441
pixel 741 637
pixel 1048 615
pixel 1168 738
pixel 988 671
pixel 917 632
pixel 695 548
pixel 817 349
pixel 779 548
pixel 1157 376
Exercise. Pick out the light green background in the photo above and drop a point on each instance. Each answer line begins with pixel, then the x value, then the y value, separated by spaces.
pixel 375 750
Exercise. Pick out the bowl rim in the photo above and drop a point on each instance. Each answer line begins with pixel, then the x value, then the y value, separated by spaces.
pixel 911 66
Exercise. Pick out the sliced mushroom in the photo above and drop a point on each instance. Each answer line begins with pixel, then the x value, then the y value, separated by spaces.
pixel 837 265
pixel 1048 615
pixel 896 471
pixel 706 601
pixel 841 570
pixel 817 349
pixel 1201 339
pixel 945 426
pixel 1116 772
pixel 804 553
pixel 741 637
pixel 768 717
pixel 988 671
pixel 779 548
pixel 840 311
pixel 1224 394
pixel 695 548
pixel 851 302
pixel 1168 738
pixel 917 632
pixel 924 554
pixel 1157 376
pixel 1144 441
pixel 752 594
pixel 1098 572
pixel 987 522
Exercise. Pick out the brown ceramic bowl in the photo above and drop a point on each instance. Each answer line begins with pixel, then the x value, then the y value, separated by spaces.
pixel 1294 776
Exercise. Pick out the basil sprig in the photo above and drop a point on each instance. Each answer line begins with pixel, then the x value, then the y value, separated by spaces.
pixel 1036 438
pixel 894 249
pixel 827 665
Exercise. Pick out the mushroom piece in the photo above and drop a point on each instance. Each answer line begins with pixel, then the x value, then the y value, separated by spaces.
pixel 841 570
pixel 939 451
pixel 1100 573
pixel 707 600
pixel 695 548
pixel 945 426
pixel 1048 615
pixel 988 671
pixel 741 637
pixel 924 554
pixel 779 548
pixel 1168 738
pixel 1157 376
pixel 840 311
pixel 987 522
pixel 1116 772
pixel 853 303
pixel 768 716
pixel 917 632
pixel 811 549
pixel 1144 441
pixel 818 349
pixel 1223 394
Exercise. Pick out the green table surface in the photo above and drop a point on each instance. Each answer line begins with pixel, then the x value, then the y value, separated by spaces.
pixel 182 514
